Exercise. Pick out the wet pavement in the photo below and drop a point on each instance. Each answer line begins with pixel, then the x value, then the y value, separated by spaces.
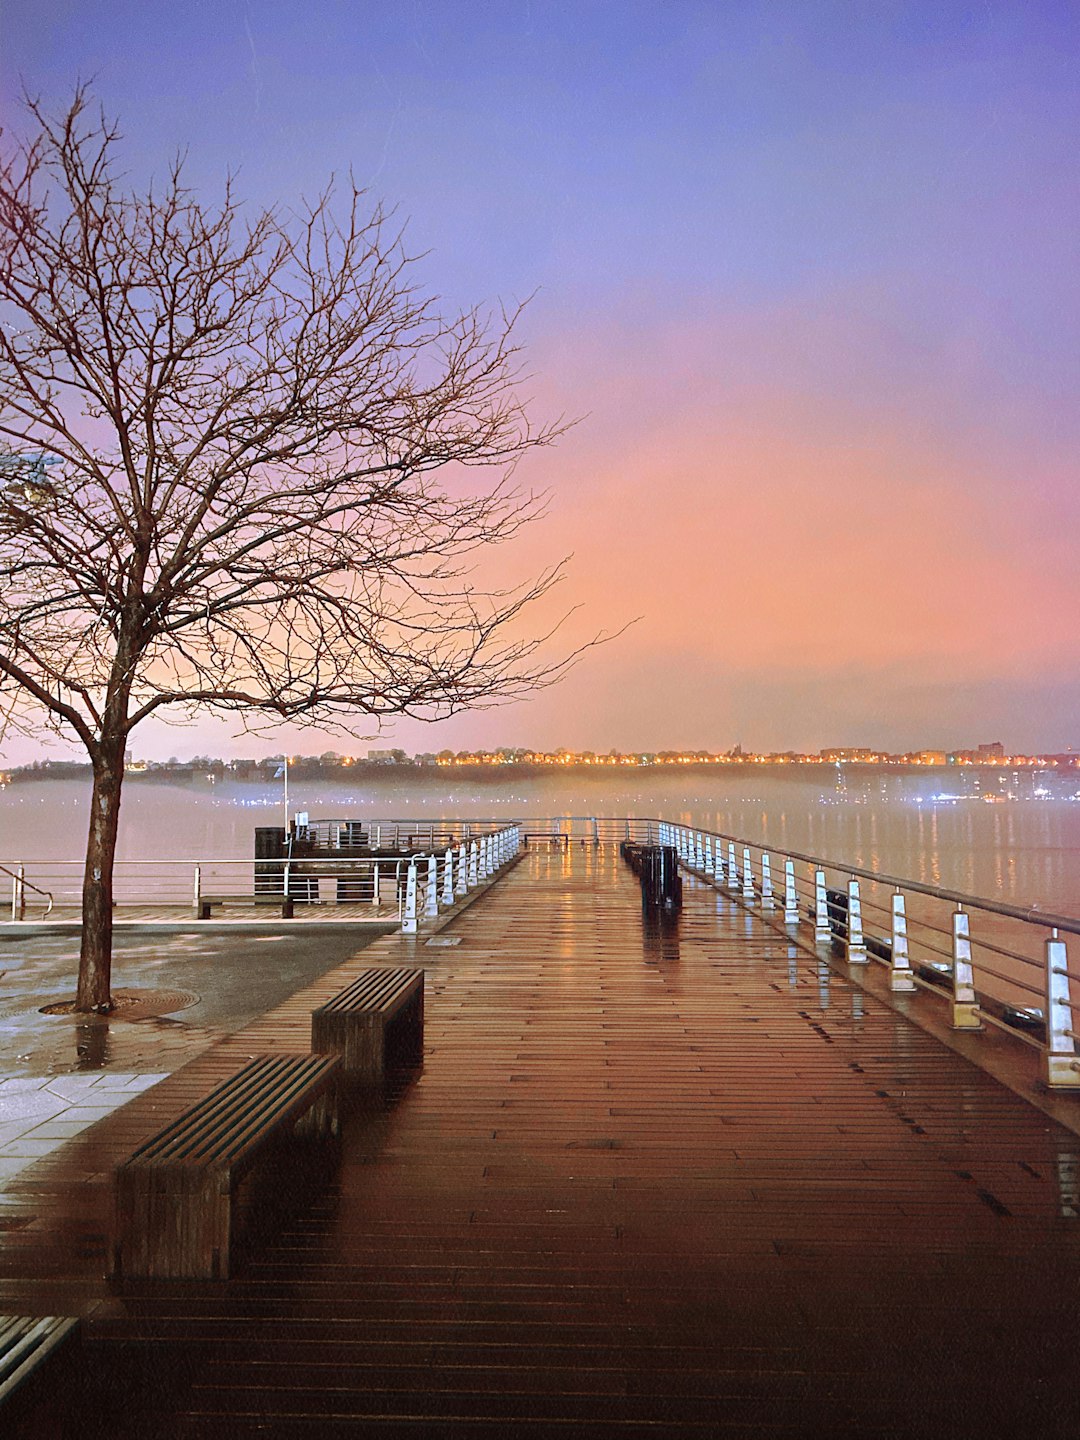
pixel 60 1073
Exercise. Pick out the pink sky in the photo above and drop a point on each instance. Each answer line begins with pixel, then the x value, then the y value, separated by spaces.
pixel 809 276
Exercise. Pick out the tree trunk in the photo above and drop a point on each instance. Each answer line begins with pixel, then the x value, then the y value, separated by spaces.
pixel 95 957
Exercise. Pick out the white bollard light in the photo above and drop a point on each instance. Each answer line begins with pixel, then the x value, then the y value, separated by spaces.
pixel 965 1005
pixel 1062 1063
pixel 767 902
pixel 408 919
pixel 448 878
pixel 900 976
pixel 431 897
pixel 856 943
pixel 822 930
pixel 791 897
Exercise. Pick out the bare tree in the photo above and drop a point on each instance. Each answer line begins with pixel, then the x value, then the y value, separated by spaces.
pixel 258 432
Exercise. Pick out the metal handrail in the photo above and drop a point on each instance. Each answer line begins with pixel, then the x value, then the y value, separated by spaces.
pixel 738 865
pixel 938 892
pixel 610 829
pixel 21 884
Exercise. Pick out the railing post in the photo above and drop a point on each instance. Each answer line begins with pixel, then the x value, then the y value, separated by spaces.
pixel 1062 1068
pixel 448 878
pixel 732 867
pixel 718 865
pixel 965 1005
pixel 900 976
pixel 856 944
pixel 791 896
pixel 375 884
pixel 821 909
pixel 474 865
pixel 708 856
pixel 196 888
pixel 766 882
pixel 699 852
pixel 462 886
pixel 431 899
pixel 747 875
pixel 18 893
pixel 408 922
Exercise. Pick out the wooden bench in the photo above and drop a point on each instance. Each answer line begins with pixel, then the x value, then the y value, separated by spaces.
pixel 30 1347
pixel 376 1021
pixel 185 1195
pixel 204 908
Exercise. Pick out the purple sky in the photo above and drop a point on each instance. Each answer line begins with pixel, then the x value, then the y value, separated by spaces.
pixel 809 272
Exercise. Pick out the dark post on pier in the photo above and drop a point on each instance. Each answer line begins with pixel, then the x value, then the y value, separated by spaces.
pixel 657 867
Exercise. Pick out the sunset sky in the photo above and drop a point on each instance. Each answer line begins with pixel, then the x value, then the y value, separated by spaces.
pixel 807 272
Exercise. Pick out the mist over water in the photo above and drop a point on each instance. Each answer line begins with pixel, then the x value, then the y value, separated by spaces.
pixel 1026 851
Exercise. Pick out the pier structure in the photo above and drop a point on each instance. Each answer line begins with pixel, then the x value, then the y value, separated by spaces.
pixel 706 1173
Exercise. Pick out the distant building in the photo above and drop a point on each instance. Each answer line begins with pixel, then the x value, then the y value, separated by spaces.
pixel 994 751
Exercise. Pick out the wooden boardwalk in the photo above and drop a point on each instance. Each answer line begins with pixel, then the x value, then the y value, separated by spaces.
pixel 685 1184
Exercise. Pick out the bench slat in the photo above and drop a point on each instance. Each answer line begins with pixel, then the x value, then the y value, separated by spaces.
pixel 220 1126
pixel 25 1343
pixel 177 1194
pixel 375 989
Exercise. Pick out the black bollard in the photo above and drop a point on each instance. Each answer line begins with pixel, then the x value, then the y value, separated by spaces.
pixel 657 867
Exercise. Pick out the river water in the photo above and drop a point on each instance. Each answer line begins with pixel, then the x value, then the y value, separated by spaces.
pixel 1024 850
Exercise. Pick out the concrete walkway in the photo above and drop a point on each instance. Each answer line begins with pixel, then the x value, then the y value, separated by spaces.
pixel 38 1113
pixel 59 1074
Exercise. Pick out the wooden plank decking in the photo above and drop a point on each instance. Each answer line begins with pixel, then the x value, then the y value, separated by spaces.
pixel 644 1185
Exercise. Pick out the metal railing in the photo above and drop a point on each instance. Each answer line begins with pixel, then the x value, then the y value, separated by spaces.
pixel 989 962
pixel 407 837
pixel 289 881
pixel 19 887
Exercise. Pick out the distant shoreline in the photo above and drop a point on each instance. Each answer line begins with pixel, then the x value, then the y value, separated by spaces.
pixel 364 772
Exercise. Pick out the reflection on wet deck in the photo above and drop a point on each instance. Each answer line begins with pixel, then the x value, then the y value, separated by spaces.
pixel 652 1179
